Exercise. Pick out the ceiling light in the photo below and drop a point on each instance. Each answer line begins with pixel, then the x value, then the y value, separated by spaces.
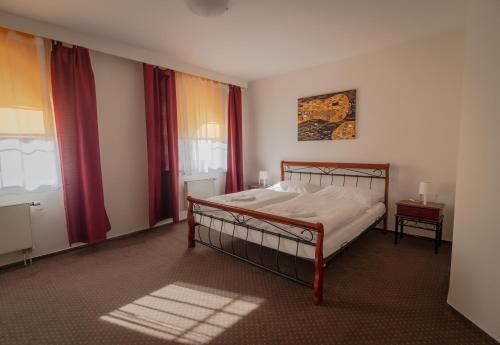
pixel 208 8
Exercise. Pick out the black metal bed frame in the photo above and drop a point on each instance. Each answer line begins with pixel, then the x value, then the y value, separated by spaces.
pixel 244 222
pixel 276 270
pixel 280 231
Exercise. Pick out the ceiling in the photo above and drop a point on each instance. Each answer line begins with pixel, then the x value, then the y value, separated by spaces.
pixel 254 39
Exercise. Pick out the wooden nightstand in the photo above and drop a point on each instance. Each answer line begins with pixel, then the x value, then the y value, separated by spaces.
pixel 417 215
pixel 257 186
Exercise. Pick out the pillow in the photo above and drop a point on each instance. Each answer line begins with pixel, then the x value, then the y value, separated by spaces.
pixel 295 187
pixel 367 197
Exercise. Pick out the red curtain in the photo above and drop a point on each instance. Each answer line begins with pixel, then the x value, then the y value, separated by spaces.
pixel 234 174
pixel 161 125
pixel 75 111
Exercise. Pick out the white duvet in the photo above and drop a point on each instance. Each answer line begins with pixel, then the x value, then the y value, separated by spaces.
pixel 332 212
pixel 253 199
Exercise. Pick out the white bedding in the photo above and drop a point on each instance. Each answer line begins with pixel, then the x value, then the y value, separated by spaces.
pixel 253 199
pixel 343 219
pixel 332 212
pixel 295 186
pixel 332 241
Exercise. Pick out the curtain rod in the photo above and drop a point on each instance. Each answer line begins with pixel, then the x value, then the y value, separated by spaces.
pixel 197 76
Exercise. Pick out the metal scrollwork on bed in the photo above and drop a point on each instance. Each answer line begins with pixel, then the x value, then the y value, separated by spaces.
pixel 222 227
pixel 345 173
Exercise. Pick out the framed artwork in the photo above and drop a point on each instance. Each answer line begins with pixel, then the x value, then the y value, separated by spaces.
pixel 327 117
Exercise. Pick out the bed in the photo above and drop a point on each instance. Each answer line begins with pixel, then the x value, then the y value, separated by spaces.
pixel 325 208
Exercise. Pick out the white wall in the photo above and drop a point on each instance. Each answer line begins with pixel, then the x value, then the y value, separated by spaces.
pixel 475 273
pixel 122 135
pixel 408 111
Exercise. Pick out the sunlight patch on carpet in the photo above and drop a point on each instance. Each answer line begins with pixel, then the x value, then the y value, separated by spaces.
pixel 184 313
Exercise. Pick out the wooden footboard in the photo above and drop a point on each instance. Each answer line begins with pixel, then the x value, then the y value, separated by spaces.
pixel 242 216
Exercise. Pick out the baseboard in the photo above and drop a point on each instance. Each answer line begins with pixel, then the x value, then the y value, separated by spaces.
pixel 86 245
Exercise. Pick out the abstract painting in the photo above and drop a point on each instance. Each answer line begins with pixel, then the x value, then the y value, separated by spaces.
pixel 327 117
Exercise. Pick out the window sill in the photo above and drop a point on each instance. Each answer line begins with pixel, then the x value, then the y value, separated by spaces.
pixel 18 191
pixel 197 176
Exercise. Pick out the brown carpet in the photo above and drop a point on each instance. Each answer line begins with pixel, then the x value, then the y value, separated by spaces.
pixel 150 289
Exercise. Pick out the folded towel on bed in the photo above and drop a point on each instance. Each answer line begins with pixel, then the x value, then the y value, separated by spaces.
pixel 243 198
pixel 301 215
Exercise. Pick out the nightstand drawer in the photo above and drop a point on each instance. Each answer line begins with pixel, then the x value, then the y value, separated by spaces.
pixel 419 212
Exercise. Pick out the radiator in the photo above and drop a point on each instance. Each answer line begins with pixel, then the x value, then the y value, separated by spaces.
pixel 203 188
pixel 15 229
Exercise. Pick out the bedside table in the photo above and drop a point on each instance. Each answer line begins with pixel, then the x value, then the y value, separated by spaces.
pixel 257 186
pixel 417 215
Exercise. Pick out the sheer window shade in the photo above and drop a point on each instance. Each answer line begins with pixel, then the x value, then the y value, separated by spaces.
pixel 27 144
pixel 202 124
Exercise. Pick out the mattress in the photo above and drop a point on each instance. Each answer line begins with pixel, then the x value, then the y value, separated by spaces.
pixel 333 240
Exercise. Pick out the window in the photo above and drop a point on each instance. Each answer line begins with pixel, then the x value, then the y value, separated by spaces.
pixel 202 124
pixel 27 143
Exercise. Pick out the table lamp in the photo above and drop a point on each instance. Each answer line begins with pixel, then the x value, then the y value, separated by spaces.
pixel 263 177
pixel 423 190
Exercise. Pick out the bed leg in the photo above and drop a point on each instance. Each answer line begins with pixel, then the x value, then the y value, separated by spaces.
pixel 190 220
pixel 318 267
pixel 385 224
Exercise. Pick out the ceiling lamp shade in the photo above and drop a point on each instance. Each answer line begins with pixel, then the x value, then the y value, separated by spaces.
pixel 208 8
